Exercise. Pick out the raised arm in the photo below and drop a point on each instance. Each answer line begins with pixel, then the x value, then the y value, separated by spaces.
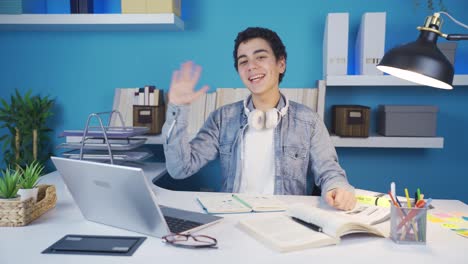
pixel 182 89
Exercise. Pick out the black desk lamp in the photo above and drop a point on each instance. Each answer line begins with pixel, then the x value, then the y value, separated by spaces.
pixel 421 61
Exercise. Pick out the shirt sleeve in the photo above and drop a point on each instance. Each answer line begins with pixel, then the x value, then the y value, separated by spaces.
pixel 327 171
pixel 186 156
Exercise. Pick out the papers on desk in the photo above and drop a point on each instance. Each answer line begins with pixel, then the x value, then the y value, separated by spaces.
pixel 316 227
pixel 240 203
pixel 455 221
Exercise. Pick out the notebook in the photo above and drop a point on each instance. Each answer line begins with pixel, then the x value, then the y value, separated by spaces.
pixel 121 196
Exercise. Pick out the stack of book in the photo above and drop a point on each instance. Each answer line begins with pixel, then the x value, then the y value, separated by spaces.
pixel 81 6
pixel 370 44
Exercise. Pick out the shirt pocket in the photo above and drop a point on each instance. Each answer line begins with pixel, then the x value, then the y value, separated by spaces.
pixel 295 153
pixel 294 165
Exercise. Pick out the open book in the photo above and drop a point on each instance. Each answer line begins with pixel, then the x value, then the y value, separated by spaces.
pixel 240 203
pixel 296 229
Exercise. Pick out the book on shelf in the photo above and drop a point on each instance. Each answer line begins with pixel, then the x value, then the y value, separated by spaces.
pixel 370 43
pixel 123 102
pixel 304 226
pixel 306 96
pixel 240 203
pixel 230 95
pixel 196 116
pixel 210 104
pixel 335 44
pixel 201 108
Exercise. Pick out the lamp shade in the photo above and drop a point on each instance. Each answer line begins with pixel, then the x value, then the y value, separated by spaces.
pixel 420 61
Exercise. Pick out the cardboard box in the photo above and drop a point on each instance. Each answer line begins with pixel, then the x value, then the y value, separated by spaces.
pixel 163 6
pixel 407 120
pixel 149 116
pixel 133 6
pixel 350 120
pixel 151 6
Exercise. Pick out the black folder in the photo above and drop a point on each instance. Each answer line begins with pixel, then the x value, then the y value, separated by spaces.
pixel 96 245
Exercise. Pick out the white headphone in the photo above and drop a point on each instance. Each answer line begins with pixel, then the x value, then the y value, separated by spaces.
pixel 265 120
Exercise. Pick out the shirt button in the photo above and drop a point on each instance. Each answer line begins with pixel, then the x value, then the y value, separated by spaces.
pixel 173 113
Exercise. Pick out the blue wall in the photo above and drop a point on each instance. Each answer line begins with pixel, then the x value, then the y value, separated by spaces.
pixel 81 70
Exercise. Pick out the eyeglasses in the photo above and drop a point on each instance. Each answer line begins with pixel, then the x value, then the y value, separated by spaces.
pixel 190 241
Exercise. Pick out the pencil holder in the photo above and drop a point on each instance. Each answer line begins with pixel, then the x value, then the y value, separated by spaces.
pixel 408 225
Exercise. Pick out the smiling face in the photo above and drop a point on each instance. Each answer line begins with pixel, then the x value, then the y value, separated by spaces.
pixel 258 67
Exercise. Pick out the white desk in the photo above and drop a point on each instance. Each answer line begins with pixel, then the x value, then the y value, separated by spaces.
pixel 25 244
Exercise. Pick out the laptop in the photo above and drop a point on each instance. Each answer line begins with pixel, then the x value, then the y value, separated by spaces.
pixel 121 196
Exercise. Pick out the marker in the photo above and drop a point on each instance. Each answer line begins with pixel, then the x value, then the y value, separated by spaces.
pixel 307 224
pixel 408 201
pixel 373 200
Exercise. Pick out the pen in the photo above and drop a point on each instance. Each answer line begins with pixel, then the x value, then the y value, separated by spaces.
pixel 309 225
pixel 392 189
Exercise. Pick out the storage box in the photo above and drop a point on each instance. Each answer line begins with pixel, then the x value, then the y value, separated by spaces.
pixel 407 120
pixel 149 116
pixel 350 120
pixel 133 6
pixel 163 6
pixel 151 6
pixel 448 49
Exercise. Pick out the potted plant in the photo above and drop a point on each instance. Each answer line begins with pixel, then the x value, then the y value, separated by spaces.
pixel 29 178
pixel 25 117
pixel 9 185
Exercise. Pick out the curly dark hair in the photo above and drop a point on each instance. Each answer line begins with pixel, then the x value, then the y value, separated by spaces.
pixel 269 36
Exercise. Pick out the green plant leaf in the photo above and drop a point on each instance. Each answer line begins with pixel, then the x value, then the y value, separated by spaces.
pixel 9 183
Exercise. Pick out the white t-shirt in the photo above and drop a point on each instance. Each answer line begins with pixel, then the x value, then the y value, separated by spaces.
pixel 258 170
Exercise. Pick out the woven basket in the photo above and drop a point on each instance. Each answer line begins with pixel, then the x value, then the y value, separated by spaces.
pixel 21 213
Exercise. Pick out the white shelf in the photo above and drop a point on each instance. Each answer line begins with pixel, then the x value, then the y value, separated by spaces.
pixel 381 80
pixel 375 141
pixel 156 139
pixel 91 22
pixel 388 142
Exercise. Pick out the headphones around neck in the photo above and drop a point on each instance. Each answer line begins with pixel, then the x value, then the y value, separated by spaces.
pixel 265 120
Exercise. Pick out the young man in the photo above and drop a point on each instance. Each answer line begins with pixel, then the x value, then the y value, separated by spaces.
pixel 266 144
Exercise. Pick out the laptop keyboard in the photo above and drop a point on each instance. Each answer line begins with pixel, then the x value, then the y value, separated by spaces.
pixel 177 225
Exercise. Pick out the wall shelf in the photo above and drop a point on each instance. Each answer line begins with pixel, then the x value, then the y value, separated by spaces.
pixel 388 142
pixel 91 22
pixel 382 80
pixel 377 141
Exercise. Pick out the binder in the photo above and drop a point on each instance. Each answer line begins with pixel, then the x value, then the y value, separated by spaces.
pixel 370 43
pixel 335 44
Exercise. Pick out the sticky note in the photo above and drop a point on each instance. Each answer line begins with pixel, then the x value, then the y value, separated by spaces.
pixel 434 219
pixel 462 232
pixel 442 215
pixel 450 226
pixel 454 220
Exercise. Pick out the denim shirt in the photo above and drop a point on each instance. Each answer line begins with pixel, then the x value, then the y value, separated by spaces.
pixel 303 148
